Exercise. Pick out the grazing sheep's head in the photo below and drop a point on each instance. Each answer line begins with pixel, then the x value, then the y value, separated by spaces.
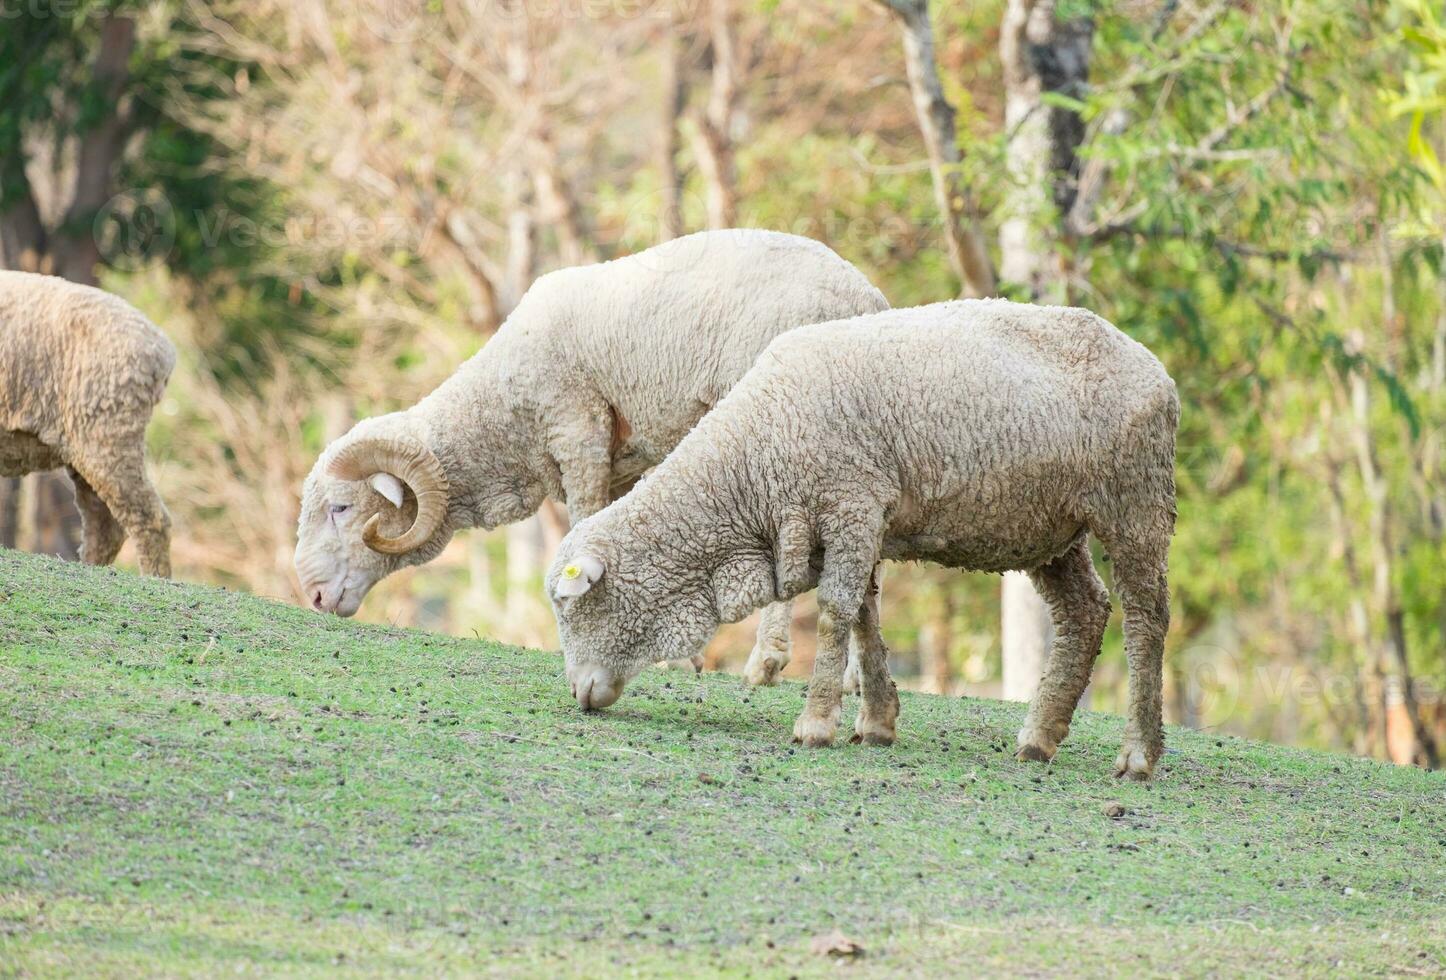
pixel 373 503
pixel 617 611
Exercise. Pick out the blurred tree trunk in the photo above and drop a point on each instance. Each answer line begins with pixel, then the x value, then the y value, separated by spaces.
pixel 1039 53
pixel 100 148
pixel 713 126
pixel 1387 599
pixel 936 639
pixel 963 237
pixel 1186 710
pixel 22 236
pixel 1371 735
pixel 456 235
pixel 70 249
pixel 675 98
pixel 9 512
pixel 525 555
pixel 521 265
pixel 55 528
pixel 557 202
pixel 525 544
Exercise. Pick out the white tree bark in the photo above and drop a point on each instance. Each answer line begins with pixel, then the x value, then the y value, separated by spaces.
pixel 1038 53
pixel 1025 635
pixel 713 127
pixel 526 556
pixel 675 95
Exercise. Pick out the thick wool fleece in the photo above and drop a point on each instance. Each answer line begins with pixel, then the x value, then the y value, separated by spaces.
pixel 979 435
pixel 80 372
pixel 592 380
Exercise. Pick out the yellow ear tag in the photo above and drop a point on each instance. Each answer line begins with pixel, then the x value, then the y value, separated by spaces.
pixel 571 571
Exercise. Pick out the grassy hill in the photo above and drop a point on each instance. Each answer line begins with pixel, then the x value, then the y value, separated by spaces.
pixel 194 781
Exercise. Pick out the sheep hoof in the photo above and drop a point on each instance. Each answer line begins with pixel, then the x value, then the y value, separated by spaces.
pixel 1135 763
pixel 874 736
pixel 696 663
pixel 1035 746
pixel 1033 753
pixel 873 731
pixel 763 667
pixel 813 732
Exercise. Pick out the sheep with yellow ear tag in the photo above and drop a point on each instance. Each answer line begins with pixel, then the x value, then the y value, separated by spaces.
pixel 980 435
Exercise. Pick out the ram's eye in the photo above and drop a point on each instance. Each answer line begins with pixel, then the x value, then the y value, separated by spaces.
pixel 339 509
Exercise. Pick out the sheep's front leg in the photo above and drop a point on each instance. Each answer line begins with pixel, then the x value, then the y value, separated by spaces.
pixel 585 482
pixel 818 722
pixel 850 554
pixel 771 650
pixel 853 678
pixel 879 706
pixel 580 441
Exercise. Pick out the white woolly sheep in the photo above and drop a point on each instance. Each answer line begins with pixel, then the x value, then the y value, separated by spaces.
pixel 981 435
pixel 80 373
pixel 592 380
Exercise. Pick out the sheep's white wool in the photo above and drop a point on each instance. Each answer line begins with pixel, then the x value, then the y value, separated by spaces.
pixel 80 372
pixel 592 380
pixel 981 435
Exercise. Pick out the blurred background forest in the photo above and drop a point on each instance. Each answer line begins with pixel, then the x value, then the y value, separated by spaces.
pixel 328 206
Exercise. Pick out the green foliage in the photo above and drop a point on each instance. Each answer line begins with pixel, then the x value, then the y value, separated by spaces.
pixel 42 59
pixel 1423 97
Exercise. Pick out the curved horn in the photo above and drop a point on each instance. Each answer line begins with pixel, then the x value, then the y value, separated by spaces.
pixel 412 463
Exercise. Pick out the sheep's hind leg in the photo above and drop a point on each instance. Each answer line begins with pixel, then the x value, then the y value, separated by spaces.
pixel 121 482
pixel 771 651
pixel 1140 550
pixel 1080 608
pixel 1146 600
pixel 102 533
pixel 879 705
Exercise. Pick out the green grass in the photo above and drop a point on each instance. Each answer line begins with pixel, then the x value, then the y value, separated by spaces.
pixel 194 782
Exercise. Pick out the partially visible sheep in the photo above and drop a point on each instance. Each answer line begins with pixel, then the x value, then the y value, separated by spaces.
pixel 982 435
pixel 592 380
pixel 80 372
